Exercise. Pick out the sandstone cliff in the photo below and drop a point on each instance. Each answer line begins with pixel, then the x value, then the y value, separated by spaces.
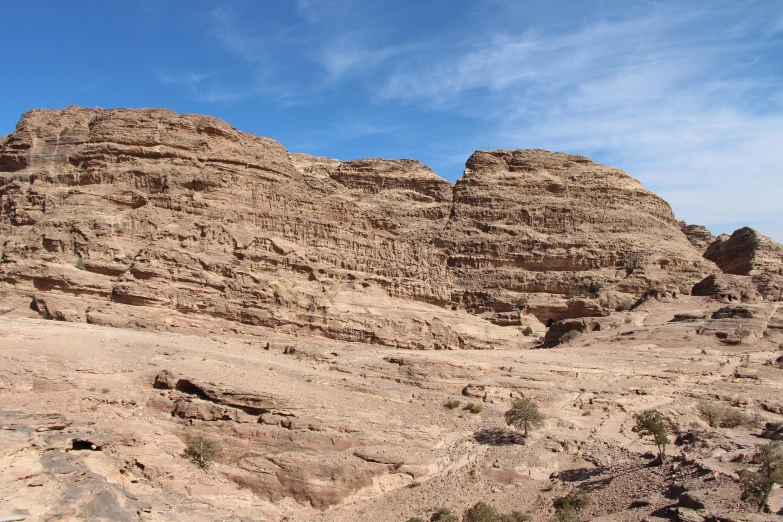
pixel 752 266
pixel 148 218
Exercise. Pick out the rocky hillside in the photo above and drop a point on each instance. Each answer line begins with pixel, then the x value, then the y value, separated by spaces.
pixel 147 218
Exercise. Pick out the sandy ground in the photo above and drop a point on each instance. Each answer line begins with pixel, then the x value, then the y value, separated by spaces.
pixel 374 416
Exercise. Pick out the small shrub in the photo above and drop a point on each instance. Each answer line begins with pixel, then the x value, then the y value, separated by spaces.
pixel 743 334
pixel 527 332
pixel 415 519
pixel 414 484
pixel 452 404
pixel 524 415
pixel 567 508
pixel 624 305
pixel 595 287
pixel 652 422
pixel 721 416
pixel 757 485
pixel 105 390
pixel 521 303
pixel 94 407
pixel 481 512
pixel 474 408
pixel 568 337
pixel 64 131
pixel 573 292
pixel 444 515
pixel 515 516
pixel 201 450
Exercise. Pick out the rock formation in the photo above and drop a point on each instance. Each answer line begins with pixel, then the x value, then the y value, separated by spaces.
pixel 752 266
pixel 746 252
pixel 148 218
pixel 698 235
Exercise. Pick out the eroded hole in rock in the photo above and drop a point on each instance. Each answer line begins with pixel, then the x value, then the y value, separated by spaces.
pixel 185 386
pixel 84 445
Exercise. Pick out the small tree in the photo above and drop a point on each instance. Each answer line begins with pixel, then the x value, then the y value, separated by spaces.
pixel 652 422
pixel 521 303
pixel 201 450
pixel 524 415
pixel 757 485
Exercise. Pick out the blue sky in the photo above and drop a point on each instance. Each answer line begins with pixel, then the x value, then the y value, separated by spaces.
pixel 686 96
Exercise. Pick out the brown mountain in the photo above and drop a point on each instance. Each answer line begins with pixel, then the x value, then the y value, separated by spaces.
pixel 148 218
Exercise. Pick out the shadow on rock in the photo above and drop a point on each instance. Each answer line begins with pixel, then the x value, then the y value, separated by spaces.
pixel 498 437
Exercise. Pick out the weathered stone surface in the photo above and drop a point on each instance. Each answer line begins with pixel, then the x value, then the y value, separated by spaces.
pixel 746 252
pixel 699 236
pixel 151 219
pixel 529 221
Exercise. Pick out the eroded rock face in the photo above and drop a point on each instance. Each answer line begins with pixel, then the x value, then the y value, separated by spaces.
pixel 699 236
pixel 150 218
pixel 528 221
pixel 752 266
pixel 746 252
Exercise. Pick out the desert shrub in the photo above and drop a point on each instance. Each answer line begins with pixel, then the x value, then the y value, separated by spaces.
pixel 64 131
pixel 481 512
pixel 573 292
pixel 527 332
pixel 515 516
pixel 721 416
pixel 624 305
pixel 474 408
pixel 521 303
pixel 567 508
pixel 568 337
pixel 652 422
pixel 743 334
pixel 452 404
pixel 201 450
pixel 105 390
pixel 444 515
pixel 524 415
pixel 595 287
pixel 757 485
pixel 415 519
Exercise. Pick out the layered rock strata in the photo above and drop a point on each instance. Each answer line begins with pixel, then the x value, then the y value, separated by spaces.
pixel 133 213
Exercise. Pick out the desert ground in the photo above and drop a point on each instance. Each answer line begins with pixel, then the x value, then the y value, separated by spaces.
pixel 350 431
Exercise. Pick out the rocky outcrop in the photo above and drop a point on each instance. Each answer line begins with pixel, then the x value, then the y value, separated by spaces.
pixel 746 252
pixel 699 236
pixel 752 266
pixel 154 219
pixel 530 221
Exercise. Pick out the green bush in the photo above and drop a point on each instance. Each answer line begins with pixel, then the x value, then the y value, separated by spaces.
pixel 481 512
pixel 444 515
pixel 452 404
pixel 568 507
pixel 202 451
pixel 521 303
pixel 524 415
pixel 474 408
pixel 757 485
pixel 527 332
